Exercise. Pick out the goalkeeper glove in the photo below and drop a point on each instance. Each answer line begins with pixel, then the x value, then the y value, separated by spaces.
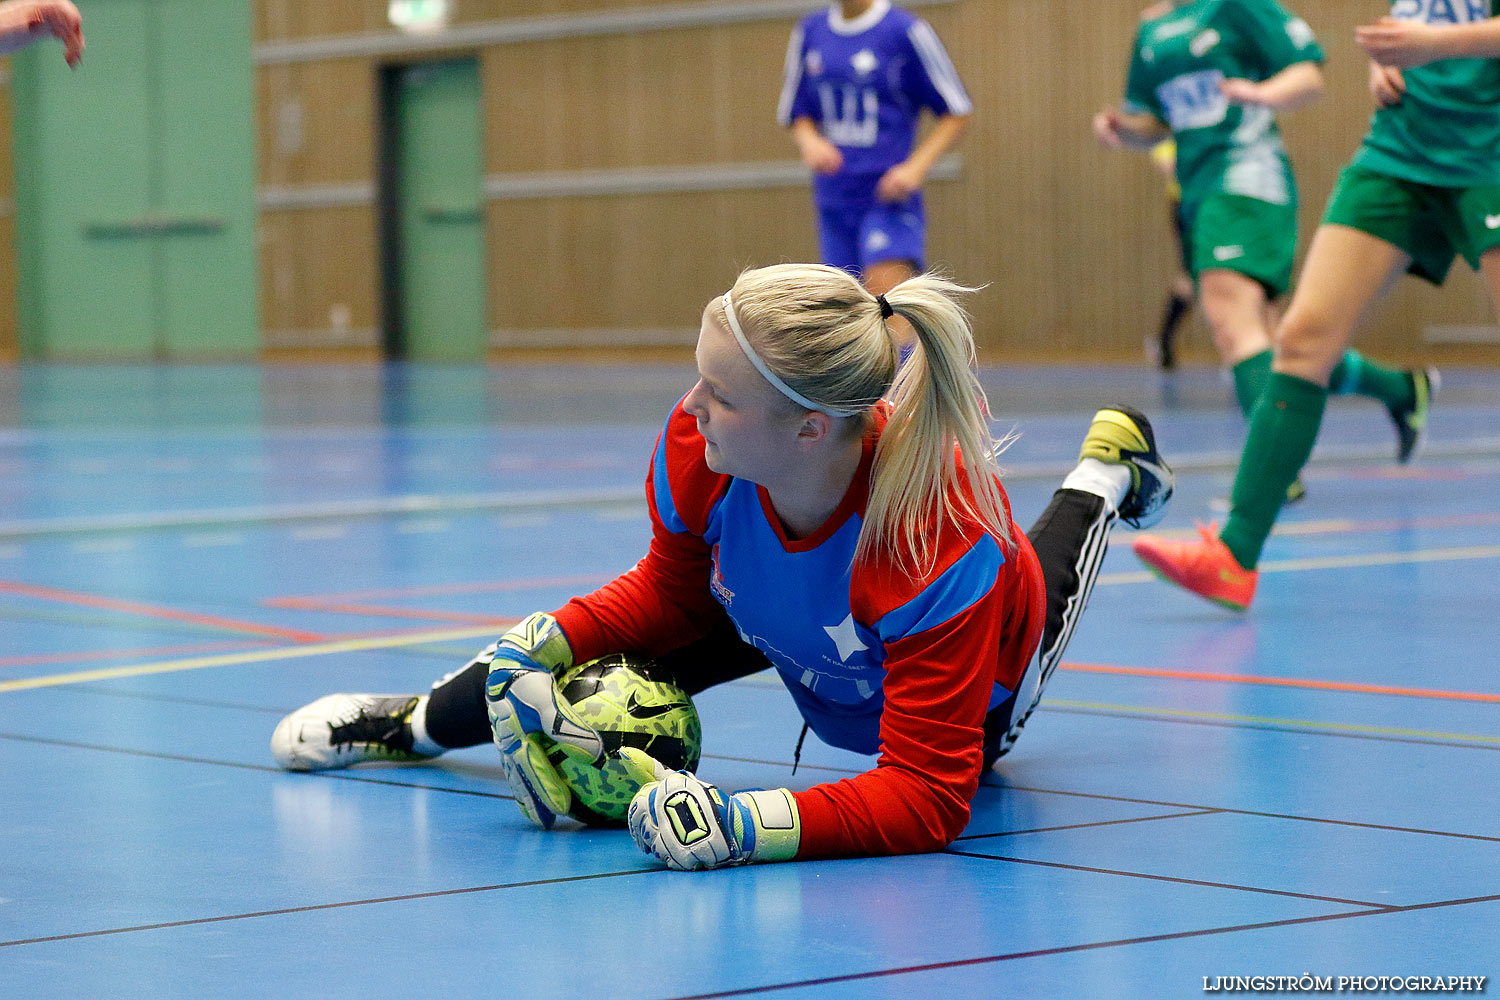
pixel 529 718
pixel 687 824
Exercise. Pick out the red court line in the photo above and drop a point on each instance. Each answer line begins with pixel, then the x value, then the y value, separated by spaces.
pixel 391 633
pixel 1296 682
pixel 127 654
pixel 153 611
pixel 320 601
pixel 418 613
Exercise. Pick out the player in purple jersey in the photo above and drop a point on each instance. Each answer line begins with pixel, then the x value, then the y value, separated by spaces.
pixel 857 78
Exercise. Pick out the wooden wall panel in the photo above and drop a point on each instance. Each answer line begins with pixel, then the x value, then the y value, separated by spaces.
pixel 318 279
pixel 647 262
pixel 282 20
pixel 697 95
pixel 1072 239
pixel 315 122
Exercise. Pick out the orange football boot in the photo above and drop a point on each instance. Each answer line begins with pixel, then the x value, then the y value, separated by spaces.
pixel 1206 567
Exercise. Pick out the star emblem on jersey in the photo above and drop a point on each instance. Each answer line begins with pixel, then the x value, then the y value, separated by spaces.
pixel 877 240
pixel 1228 253
pixel 845 638
pixel 814 62
pixel 864 62
pixel 1492 221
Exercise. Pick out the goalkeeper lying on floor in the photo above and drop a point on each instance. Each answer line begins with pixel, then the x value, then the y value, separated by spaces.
pixel 802 522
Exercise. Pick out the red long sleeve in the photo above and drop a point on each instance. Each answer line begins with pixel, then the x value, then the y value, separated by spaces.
pixel 937 689
pixel 663 602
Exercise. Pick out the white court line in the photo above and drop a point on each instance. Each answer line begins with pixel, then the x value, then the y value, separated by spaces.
pixel 425 526
pixel 321 511
pixel 213 539
pixel 102 546
pixel 603 496
pixel 255 656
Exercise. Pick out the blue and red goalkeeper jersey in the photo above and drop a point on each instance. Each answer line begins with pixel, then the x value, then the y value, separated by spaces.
pixel 877 662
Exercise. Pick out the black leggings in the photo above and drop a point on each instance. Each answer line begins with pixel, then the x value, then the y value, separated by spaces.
pixel 1069 538
pixel 457 716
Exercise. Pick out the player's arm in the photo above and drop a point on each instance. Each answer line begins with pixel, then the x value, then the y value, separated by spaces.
pixel 1401 43
pixel 818 153
pixel 1118 128
pixel 917 798
pixel 1387 84
pixel 1296 86
pixel 25 21
pixel 661 603
pixel 664 601
pixel 928 80
pixel 906 178
pixel 1139 121
pixel 797 111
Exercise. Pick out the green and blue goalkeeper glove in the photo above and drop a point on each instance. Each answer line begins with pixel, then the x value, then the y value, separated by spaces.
pixel 529 717
pixel 688 824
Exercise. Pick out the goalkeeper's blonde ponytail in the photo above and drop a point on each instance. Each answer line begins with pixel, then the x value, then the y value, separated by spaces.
pixel 819 331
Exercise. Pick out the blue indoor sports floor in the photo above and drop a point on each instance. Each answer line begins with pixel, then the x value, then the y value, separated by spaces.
pixel 187 553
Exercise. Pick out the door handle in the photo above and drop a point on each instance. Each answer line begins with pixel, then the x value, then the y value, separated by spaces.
pixel 452 214
pixel 154 224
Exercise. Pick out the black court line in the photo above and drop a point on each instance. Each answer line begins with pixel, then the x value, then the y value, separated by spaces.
pixel 261 768
pixel 1090 946
pixel 345 775
pixel 166 699
pixel 94 688
pixel 1310 730
pixel 1086 826
pixel 326 906
pixel 785 763
pixel 1245 812
pixel 1169 878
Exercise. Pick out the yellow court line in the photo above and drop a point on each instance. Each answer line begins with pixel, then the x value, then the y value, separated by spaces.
pixel 417 639
pixel 1339 562
pixel 1258 720
pixel 257 656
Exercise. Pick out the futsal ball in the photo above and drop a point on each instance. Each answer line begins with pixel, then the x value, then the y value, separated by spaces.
pixel 629 704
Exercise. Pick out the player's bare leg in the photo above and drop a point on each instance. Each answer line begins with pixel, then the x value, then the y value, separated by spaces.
pixel 880 277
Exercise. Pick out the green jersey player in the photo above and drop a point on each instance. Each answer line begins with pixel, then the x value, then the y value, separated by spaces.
pixel 1212 74
pixel 1423 188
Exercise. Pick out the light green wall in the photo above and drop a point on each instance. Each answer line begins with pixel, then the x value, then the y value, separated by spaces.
pixel 442 214
pixel 135 186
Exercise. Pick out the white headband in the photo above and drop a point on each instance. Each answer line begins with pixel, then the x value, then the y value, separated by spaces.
pixel 770 376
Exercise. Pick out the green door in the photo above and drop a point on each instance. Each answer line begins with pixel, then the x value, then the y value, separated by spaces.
pixel 440 191
pixel 135 187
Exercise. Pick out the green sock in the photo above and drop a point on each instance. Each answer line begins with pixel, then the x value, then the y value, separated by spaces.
pixel 1250 380
pixel 1357 375
pixel 1282 431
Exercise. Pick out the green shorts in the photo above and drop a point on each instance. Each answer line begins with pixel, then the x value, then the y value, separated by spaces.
pixel 1431 224
pixel 1231 232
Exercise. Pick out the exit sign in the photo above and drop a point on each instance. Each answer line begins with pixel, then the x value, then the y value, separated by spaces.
pixel 420 15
